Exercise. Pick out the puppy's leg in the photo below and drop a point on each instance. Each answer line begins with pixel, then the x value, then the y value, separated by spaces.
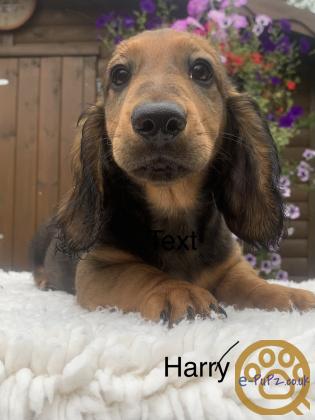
pixel 242 287
pixel 109 277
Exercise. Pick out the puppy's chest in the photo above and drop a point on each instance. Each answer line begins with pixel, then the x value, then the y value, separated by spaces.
pixel 179 246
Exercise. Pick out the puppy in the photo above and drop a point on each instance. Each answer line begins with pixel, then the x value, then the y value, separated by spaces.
pixel 171 163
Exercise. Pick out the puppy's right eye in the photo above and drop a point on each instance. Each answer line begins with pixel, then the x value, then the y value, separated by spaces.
pixel 120 75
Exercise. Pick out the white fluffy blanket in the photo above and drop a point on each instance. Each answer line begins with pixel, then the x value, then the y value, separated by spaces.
pixel 61 362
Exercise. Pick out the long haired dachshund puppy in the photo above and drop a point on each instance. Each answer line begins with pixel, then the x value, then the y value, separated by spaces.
pixel 172 163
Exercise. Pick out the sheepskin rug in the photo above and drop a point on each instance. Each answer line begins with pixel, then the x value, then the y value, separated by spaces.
pixel 61 362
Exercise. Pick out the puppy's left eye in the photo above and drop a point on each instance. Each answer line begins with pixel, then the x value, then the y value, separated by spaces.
pixel 120 75
pixel 201 71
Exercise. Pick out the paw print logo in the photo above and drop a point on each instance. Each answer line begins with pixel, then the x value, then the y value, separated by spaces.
pixel 272 377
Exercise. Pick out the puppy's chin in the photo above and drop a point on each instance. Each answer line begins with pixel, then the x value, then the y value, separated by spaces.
pixel 160 171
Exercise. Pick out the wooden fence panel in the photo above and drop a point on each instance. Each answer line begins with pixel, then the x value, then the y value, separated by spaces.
pixel 26 159
pixel 48 138
pixel 8 95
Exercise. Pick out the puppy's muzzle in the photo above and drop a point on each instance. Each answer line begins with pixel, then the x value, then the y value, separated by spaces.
pixel 158 122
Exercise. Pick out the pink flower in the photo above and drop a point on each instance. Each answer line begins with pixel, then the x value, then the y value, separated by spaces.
pixel 184 24
pixel 220 18
pixel 196 8
pixel 303 174
pixel 239 21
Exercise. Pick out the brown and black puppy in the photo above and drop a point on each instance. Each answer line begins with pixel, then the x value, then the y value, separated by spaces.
pixel 172 163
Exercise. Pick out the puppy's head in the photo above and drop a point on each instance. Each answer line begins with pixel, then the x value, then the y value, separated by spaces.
pixel 164 105
pixel 171 113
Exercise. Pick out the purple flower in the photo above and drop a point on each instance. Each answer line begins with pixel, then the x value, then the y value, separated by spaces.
pixel 305 45
pixel 153 22
pixel 129 22
pixel 304 165
pixel 285 25
pixel 284 44
pixel 267 44
pixel 239 21
pixel 147 6
pixel 282 275
pixel 284 185
pixel 296 111
pixel 104 20
pixel 309 154
pixel 303 174
pixel 183 24
pixel 195 8
pixel 266 266
pixel 251 259
pixel 118 39
pixel 291 211
pixel 286 121
pixel 275 80
pixel 275 260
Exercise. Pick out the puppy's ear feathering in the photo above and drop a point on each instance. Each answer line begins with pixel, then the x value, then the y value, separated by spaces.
pixel 79 218
pixel 246 173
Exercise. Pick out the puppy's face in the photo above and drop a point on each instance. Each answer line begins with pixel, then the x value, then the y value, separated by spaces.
pixel 163 105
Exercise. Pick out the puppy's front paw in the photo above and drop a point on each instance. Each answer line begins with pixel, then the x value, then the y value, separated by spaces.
pixel 273 296
pixel 173 301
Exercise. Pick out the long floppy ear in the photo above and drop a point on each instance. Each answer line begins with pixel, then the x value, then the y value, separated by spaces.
pixel 247 173
pixel 80 215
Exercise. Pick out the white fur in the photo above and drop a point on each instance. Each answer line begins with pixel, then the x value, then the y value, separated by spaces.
pixel 61 362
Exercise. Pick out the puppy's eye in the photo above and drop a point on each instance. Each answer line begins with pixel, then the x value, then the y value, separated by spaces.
pixel 201 71
pixel 120 75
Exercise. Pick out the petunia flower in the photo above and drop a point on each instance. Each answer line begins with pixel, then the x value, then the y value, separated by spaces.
pixel 239 21
pixel 196 8
pixel 239 3
pixel 275 260
pixel 184 24
pixel 303 174
pixel 220 18
pixel 275 80
pixel 266 266
pixel 251 259
pixel 147 6
pixel 282 275
pixel 291 211
pixel 304 45
pixel 309 154
pixel 263 20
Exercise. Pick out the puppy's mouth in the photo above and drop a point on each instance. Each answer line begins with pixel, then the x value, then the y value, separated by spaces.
pixel 160 170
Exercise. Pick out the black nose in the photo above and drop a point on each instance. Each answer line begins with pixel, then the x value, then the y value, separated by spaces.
pixel 158 120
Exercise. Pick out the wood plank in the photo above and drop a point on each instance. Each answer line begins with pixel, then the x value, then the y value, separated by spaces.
pixel 53 49
pixel 311 203
pixel 294 153
pixel 302 139
pixel 49 16
pixel 296 266
pixel 9 71
pixel 48 138
pixel 299 193
pixel 26 159
pixel 301 229
pixel 51 34
pixel 71 108
pixel 294 248
pixel 304 213
pixel 89 80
